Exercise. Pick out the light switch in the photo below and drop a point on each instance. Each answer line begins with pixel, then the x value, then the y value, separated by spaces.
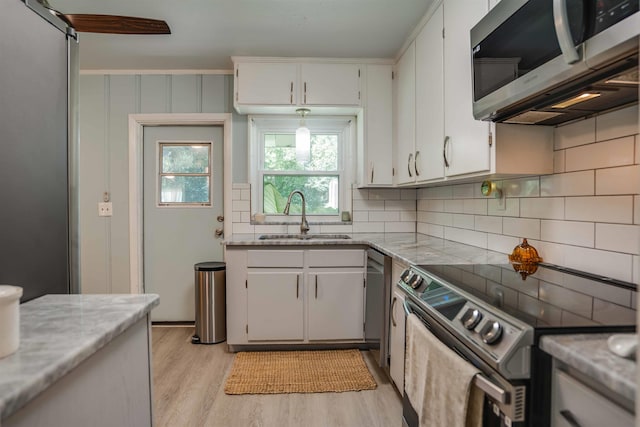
pixel 105 209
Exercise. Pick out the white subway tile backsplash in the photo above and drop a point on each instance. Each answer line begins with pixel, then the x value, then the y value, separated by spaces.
pixel 236 194
pixel 501 243
pixel 598 290
pixel 408 194
pixel 368 227
pixel 445 192
pixel 636 270
pixel 520 227
pixel 616 209
pixel 568 232
pixel 434 205
pixel 609 264
pixel 544 208
pixel 568 184
pixel 431 230
pixel 618 238
pixel 524 187
pixel 384 194
pixel 574 134
pixel 245 194
pixel 540 310
pixel 241 205
pixel 439 218
pixel 617 123
pixel 490 224
pixel 553 253
pixel 454 206
pixel 399 227
pixel 368 205
pixel 475 206
pixel 463 221
pixel 245 216
pixel 360 216
pixel 617 152
pixel 274 229
pixel 408 216
pixel 336 229
pixel 242 228
pixel 384 216
pixel 604 311
pixel 503 207
pixel 468 237
pixel 636 209
pixel 463 191
pixel 570 319
pixel 236 216
pixel 400 205
pixel 559 161
pixel 241 186
pixel 637 141
pixel 360 194
pixel 623 180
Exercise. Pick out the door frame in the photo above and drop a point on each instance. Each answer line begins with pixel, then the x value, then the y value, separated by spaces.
pixel 136 131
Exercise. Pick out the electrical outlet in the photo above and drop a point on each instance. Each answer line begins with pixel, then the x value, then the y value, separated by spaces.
pixel 105 209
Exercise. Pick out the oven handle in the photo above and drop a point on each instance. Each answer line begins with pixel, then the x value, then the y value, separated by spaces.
pixel 480 381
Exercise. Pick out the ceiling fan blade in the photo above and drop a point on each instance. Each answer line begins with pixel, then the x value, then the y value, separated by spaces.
pixel 113 24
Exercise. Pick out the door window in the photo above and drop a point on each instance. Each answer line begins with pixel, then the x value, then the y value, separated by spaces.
pixel 184 176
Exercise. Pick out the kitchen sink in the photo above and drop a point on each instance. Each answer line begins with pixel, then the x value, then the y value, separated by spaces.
pixel 304 237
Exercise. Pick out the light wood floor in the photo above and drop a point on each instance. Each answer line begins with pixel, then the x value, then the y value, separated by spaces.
pixel 188 383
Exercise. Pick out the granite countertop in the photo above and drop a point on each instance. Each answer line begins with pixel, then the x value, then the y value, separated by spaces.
pixel 410 248
pixel 57 333
pixel 590 355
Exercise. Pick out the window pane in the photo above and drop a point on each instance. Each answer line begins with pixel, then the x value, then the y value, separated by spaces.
pixel 321 193
pixel 280 153
pixel 184 189
pixel 185 158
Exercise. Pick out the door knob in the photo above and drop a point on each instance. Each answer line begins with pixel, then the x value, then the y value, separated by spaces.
pixel 220 218
pixel 219 232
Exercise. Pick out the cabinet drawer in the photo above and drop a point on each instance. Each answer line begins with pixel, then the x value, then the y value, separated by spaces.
pixel 336 258
pixel 275 258
pixel 587 407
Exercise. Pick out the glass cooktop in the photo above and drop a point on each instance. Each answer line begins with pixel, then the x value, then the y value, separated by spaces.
pixel 551 297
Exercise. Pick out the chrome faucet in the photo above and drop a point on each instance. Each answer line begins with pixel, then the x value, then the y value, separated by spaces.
pixel 304 225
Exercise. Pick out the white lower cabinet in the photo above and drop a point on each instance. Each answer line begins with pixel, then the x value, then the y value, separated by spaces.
pixel 274 306
pixel 576 404
pixel 336 305
pixel 397 329
pixel 295 296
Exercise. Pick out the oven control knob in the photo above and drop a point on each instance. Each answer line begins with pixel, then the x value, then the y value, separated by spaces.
pixel 471 318
pixel 405 275
pixel 491 332
pixel 416 281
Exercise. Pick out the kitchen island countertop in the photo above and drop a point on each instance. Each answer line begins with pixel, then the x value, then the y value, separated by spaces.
pixel 58 333
pixel 590 355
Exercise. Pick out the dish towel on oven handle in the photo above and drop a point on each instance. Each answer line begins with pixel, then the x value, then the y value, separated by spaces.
pixel 438 382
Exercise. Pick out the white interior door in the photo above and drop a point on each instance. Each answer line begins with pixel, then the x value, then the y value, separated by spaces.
pixel 179 224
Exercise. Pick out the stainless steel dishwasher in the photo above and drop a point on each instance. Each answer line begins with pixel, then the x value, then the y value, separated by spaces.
pixel 376 330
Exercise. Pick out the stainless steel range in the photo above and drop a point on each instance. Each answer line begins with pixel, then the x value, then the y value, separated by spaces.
pixel 493 317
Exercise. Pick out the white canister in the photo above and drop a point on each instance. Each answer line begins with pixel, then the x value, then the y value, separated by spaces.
pixel 9 319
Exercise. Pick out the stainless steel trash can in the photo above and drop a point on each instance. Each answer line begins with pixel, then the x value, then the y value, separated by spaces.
pixel 211 322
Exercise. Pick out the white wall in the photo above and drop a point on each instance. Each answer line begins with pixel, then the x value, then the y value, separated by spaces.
pixel 105 103
pixel 584 216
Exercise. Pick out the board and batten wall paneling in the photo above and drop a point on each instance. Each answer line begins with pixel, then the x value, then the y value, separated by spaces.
pixel 105 102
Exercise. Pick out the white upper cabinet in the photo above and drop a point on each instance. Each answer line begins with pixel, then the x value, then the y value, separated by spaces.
pixel 405 119
pixel 429 164
pixel 330 84
pixel 281 85
pixel 375 127
pixel 263 83
pixel 467 140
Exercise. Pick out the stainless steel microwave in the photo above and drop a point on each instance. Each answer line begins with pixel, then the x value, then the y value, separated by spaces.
pixel 551 61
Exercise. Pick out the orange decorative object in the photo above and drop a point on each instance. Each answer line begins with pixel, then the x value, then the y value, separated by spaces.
pixel 525 259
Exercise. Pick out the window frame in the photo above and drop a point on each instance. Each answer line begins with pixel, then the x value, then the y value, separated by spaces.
pixel 160 174
pixel 343 126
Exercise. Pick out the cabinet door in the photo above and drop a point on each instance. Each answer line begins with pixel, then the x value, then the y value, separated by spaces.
pixel 275 306
pixel 262 83
pixel 336 305
pixel 396 340
pixel 429 100
pixel 468 147
pixel 330 84
pixel 405 127
pixel 378 132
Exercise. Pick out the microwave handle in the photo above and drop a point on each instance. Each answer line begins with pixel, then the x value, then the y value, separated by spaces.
pixel 563 32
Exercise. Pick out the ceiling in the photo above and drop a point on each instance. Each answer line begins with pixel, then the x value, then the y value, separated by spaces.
pixel 205 33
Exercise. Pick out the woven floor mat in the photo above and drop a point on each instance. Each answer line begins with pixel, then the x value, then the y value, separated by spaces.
pixel 268 372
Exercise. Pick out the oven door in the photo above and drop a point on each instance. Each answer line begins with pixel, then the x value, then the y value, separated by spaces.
pixel 504 401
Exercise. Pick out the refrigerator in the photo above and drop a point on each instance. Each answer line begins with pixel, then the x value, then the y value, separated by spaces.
pixel 38 151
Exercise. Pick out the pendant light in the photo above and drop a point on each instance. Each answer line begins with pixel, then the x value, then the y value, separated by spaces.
pixel 303 138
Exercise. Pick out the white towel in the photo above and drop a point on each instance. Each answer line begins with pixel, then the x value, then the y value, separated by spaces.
pixel 438 381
